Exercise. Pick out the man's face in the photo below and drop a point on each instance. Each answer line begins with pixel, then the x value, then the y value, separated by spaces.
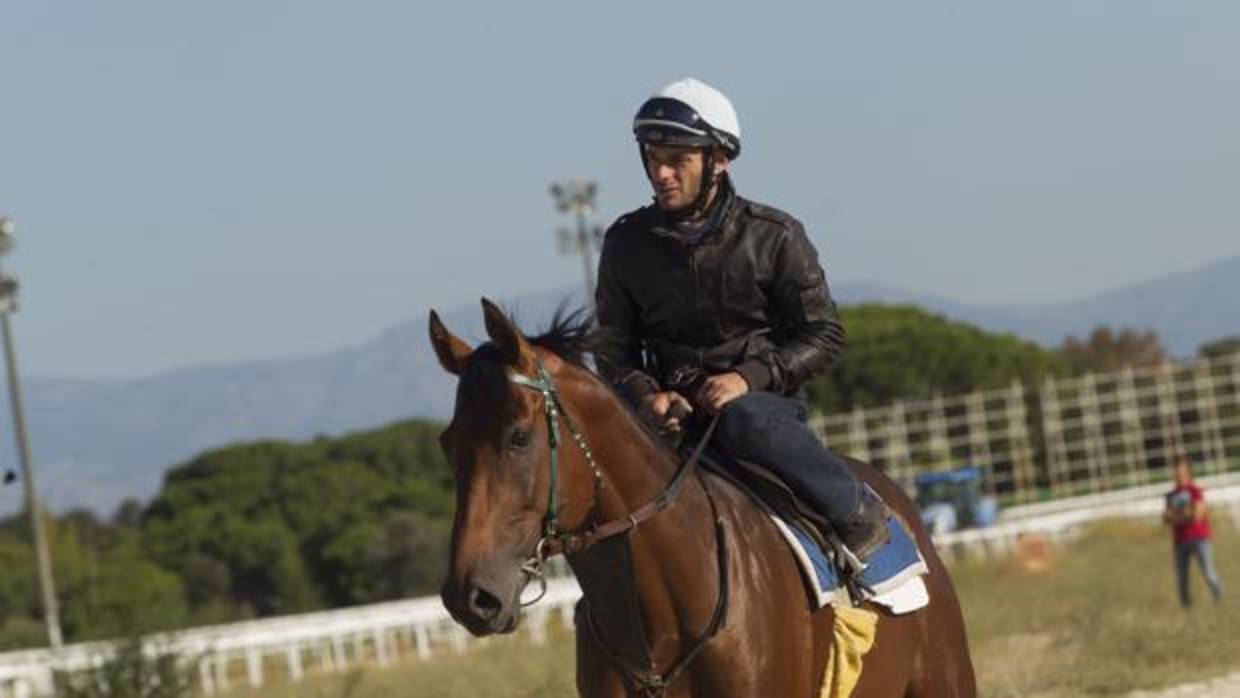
pixel 675 173
pixel 1183 473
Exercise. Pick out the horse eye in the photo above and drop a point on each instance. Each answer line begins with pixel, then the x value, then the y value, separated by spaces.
pixel 520 438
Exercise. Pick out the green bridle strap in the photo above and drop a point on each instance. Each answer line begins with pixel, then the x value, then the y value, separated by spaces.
pixel 552 409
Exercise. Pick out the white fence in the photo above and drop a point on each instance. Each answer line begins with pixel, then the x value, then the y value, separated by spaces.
pixel 245 653
pixel 1095 433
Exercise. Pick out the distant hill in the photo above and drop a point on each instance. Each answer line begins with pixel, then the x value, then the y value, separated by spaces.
pixel 96 442
pixel 1187 308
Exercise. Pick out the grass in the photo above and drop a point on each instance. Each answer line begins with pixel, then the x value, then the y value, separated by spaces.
pixel 1100 619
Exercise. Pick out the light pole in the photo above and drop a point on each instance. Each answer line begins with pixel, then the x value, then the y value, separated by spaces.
pixel 8 304
pixel 577 197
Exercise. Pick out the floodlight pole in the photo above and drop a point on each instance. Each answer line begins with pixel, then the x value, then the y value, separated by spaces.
pixel 8 304
pixel 577 197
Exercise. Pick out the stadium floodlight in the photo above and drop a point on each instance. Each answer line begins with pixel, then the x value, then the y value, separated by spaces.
pixel 577 197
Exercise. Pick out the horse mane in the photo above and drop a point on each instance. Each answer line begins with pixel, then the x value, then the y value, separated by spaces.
pixel 571 335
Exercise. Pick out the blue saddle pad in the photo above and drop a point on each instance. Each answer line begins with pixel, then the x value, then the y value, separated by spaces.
pixel 894 563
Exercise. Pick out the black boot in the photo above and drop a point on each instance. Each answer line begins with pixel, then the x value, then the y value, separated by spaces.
pixel 865 531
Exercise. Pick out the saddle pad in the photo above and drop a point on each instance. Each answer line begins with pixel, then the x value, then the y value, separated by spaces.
pixel 893 575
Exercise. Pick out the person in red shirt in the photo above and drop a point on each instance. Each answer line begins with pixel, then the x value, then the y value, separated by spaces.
pixel 1186 514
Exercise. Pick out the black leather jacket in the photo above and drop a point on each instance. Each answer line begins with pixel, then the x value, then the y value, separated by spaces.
pixel 748 295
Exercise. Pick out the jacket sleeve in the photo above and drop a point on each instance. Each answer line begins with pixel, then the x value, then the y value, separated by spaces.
pixel 807 332
pixel 619 347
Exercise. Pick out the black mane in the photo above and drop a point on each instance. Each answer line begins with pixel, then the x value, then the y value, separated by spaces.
pixel 571 334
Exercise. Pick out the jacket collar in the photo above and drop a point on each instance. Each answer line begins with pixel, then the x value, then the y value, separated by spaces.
pixel 717 217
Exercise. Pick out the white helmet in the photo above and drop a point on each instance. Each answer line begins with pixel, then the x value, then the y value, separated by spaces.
pixel 689 112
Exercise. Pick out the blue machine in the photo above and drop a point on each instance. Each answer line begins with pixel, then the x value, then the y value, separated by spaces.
pixel 953 500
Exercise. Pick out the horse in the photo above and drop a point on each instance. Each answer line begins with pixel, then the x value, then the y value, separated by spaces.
pixel 688 589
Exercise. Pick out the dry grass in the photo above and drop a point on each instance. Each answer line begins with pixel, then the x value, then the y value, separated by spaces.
pixel 1099 619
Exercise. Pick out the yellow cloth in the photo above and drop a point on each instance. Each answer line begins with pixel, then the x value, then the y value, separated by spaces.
pixel 853 636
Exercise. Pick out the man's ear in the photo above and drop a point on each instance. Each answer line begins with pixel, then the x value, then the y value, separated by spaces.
pixel 721 163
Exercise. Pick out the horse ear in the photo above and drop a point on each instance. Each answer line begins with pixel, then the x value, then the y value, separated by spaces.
pixel 451 350
pixel 503 334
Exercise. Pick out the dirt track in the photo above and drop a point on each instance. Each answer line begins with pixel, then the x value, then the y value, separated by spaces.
pixel 1224 686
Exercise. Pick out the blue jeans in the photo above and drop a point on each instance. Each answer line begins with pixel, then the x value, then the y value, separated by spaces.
pixel 1184 552
pixel 770 430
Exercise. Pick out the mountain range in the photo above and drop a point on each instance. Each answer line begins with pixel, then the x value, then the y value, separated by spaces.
pixel 96 443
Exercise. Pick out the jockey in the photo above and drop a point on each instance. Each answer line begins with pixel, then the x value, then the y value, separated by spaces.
pixel 708 285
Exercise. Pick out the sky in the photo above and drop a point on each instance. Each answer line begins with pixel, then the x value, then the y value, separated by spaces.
pixel 212 182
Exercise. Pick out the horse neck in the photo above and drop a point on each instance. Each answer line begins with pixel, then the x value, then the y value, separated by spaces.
pixel 674 563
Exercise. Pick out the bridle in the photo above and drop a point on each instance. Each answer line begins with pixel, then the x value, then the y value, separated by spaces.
pixel 557 540
pixel 554 539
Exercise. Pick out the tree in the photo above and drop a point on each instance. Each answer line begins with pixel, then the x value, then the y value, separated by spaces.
pixel 1107 351
pixel 275 527
pixel 903 351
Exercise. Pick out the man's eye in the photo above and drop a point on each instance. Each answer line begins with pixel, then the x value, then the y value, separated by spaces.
pixel 520 438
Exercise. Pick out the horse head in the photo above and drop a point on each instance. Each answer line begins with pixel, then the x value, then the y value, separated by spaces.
pixel 501 448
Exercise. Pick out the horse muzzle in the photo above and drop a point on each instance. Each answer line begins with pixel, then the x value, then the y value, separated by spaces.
pixel 485 603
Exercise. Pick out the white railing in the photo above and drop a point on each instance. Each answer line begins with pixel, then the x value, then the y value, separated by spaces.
pixel 380 633
pixel 1064 523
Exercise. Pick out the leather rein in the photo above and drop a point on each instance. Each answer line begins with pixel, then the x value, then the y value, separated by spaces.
pixel 557 540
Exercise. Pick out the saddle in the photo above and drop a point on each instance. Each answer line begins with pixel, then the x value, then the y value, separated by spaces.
pixel 890 577
pixel 773 493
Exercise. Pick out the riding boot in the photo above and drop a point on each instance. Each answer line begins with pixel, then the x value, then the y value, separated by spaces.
pixel 865 530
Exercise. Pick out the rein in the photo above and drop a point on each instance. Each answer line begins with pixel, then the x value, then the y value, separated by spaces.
pixel 556 540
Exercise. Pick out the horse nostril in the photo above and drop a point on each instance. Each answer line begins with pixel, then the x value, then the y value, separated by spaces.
pixel 484 604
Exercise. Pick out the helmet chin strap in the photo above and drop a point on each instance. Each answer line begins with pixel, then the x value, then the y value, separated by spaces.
pixel 700 202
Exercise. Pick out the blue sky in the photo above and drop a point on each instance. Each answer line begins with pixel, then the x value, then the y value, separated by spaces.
pixel 209 182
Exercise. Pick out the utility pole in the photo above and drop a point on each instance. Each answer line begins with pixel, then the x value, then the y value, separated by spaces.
pixel 8 304
pixel 577 197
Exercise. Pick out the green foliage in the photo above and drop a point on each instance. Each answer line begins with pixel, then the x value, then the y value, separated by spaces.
pixel 111 589
pixel 276 527
pixel 19 593
pixel 130 673
pixel 898 352
pixel 380 560
pixel 252 529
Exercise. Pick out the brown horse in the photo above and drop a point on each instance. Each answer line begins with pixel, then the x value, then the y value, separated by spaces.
pixel 691 591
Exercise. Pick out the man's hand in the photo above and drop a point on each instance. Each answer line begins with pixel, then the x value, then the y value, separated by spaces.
pixel 664 410
pixel 719 390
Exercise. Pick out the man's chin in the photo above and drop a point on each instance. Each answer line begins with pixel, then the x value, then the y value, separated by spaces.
pixel 671 205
